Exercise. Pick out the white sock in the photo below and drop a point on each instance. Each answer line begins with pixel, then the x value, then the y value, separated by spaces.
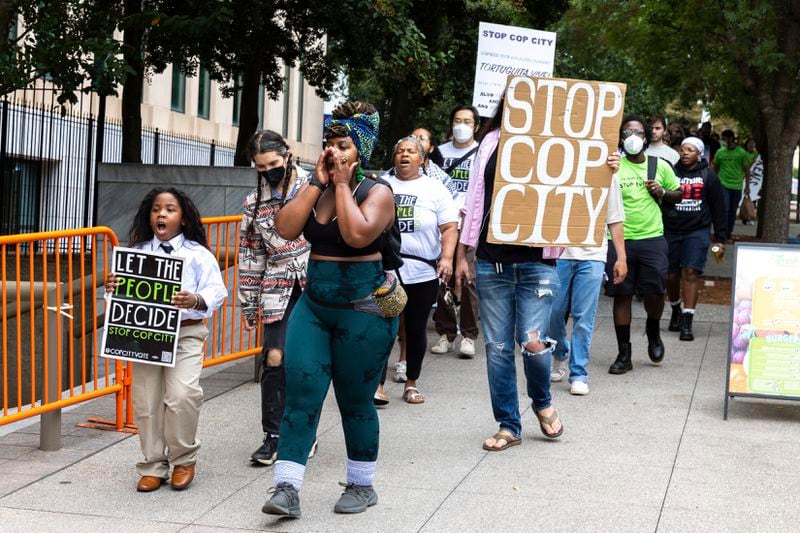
pixel 675 304
pixel 360 472
pixel 289 472
pixel 690 311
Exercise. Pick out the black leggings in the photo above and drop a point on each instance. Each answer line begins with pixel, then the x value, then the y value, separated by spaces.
pixel 421 297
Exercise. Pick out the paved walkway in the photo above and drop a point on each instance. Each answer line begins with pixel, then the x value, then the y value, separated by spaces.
pixel 647 451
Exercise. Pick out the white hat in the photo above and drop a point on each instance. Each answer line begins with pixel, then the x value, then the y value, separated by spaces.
pixel 697 143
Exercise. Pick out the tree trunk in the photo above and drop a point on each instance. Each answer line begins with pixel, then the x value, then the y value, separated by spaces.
pixel 778 193
pixel 5 25
pixel 248 114
pixel 133 87
pixel 762 145
pixel 399 121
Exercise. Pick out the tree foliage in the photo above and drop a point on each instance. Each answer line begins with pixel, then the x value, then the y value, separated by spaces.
pixel 417 61
pixel 68 42
pixel 741 58
pixel 256 41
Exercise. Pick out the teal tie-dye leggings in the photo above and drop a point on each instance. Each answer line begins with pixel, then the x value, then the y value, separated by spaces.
pixel 329 343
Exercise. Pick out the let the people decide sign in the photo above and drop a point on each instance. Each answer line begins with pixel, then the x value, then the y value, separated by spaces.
pixel 141 324
pixel 551 183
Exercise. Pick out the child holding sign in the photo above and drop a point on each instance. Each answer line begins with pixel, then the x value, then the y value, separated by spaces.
pixel 166 400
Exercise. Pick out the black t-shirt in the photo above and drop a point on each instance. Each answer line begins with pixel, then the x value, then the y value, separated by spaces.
pixel 501 253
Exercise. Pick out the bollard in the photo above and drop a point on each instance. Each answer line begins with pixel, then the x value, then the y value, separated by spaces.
pixel 50 432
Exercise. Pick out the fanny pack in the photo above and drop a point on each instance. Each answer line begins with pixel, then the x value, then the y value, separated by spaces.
pixel 386 301
pixel 430 262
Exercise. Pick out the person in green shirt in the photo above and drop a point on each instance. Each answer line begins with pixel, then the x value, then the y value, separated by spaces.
pixel 732 163
pixel 645 246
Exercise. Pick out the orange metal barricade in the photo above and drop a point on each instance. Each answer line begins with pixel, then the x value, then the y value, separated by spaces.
pixel 57 365
pixel 50 322
pixel 227 339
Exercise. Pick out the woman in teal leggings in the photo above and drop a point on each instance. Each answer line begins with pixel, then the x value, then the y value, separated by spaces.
pixel 326 341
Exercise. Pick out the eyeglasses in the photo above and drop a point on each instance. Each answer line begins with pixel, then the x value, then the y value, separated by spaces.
pixel 420 137
pixel 467 121
pixel 628 133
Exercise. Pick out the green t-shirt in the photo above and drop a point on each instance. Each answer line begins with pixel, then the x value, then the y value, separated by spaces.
pixel 731 165
pixel 642 210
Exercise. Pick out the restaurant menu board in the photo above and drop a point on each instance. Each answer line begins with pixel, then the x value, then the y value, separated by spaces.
pixel 764 347
pixel 141 324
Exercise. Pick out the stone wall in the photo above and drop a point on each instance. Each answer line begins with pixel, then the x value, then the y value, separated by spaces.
pixel 216 191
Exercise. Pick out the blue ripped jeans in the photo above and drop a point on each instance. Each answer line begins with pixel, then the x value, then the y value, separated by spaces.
pixel 515 302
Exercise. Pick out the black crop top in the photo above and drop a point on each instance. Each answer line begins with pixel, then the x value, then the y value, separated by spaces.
pixel 326 239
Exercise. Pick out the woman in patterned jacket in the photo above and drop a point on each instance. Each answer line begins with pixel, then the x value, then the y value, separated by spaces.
pixel 272 273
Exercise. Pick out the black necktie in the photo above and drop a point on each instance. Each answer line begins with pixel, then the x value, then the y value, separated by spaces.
pixel 167 247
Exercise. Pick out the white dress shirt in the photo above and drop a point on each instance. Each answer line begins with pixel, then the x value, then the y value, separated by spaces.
pixel 201 273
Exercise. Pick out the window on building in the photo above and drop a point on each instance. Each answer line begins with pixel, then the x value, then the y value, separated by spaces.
pixel 178 102
pixel 12 31
pixel 286 88
pixel 203 93
pixel 300 109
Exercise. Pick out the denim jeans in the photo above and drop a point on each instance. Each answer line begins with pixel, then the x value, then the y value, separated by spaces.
pixel 515 302
pixel 580 288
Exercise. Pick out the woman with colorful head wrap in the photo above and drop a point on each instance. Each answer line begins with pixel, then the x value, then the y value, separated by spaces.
pixel 327 340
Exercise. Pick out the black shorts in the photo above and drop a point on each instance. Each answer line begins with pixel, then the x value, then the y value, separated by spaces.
pixel 647 268
pixel 274 333
pixel 688 249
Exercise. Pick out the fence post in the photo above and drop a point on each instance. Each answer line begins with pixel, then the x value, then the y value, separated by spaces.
pixel 3 131
pixel 212 152
pixel 88 175
pixel 50 433
pixel 155 147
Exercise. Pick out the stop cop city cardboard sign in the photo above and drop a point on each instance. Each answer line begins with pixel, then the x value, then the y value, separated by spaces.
pixel 141 325
pixel 552 180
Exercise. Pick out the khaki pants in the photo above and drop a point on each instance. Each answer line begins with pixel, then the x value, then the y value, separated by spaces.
pixel 166 406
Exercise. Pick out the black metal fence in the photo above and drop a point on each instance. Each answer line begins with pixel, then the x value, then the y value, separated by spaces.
pixel 48 159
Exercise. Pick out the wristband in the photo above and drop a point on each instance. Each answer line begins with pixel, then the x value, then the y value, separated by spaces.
pixel 196 301
pixel 316 183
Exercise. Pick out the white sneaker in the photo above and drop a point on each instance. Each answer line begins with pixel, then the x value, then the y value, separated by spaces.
pixel 467 349
pixel 400 372
pixel 443 346
pixel 579 388
pixel 559 370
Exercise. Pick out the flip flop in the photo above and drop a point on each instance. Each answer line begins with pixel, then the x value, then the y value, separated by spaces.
pixel 380 399
pixel 412 395
pixel 505 435
pixel 549 421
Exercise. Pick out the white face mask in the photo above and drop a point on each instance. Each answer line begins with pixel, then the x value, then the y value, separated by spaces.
pixel 462 133
pixel 633 145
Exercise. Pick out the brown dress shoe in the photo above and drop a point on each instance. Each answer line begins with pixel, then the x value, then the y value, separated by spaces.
pixel 149 483
pixel 182 476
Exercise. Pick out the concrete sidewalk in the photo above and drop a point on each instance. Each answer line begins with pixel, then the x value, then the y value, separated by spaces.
pixel 646 451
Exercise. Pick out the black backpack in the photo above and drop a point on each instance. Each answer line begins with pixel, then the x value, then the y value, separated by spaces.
pixel 391 246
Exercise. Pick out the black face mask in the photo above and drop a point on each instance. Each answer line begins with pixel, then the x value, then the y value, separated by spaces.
pixel 274 175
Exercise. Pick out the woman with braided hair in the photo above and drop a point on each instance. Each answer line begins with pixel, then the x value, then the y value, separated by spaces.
pixel 330 338
pixel 272 273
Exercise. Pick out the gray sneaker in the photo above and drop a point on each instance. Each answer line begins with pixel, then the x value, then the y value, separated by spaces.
pixel 355 498
pixel 284 501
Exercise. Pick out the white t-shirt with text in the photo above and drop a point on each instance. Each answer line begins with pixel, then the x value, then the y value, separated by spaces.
pixel 460 174
pixel 423 204
pixel 614 213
